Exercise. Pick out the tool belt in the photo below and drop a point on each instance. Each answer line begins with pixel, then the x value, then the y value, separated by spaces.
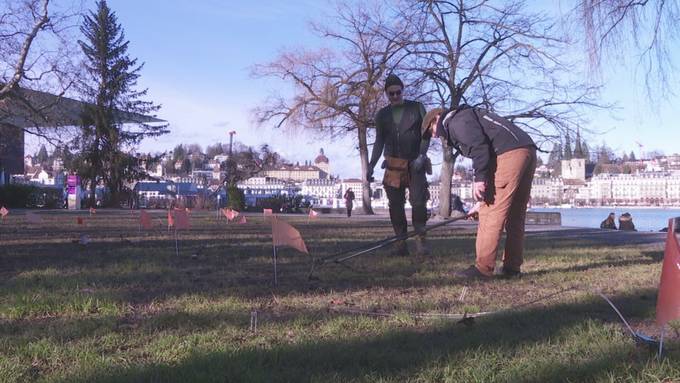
pixel 396 172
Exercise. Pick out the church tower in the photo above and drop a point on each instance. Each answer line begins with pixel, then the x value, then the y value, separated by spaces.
pixel 321 162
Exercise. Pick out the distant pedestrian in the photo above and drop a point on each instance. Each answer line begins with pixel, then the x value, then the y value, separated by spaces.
pixel 349 201
pixel 609 222
pixel 457 208
pixel 626 222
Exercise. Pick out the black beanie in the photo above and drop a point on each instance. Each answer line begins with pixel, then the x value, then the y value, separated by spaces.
pixel 392 79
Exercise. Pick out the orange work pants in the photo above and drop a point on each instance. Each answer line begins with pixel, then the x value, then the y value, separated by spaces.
pixel 506 209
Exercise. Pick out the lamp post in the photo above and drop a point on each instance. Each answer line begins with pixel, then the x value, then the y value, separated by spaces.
pixel 231 141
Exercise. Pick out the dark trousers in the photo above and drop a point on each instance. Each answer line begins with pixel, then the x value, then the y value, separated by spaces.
pixel 349 206
pixel 418 196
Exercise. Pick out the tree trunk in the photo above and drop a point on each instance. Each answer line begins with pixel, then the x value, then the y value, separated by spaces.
pixel 93 191
pixel 114 185
pixel 448 160
pixel 365 184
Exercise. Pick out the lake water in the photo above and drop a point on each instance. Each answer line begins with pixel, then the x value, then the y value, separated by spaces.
pixel 646 219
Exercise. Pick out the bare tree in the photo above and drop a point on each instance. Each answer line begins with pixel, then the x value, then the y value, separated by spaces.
pixel 647 26
pixel 499 56
pixel 338 93
pixel 36 71
pixel 37 66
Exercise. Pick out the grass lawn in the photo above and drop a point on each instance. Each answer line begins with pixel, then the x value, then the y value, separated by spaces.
pixel 125 308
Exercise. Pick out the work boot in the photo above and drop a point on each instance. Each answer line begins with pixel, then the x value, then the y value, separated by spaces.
pixel 400 249
pixel 422 248
pixel 471 272
pixel 507 273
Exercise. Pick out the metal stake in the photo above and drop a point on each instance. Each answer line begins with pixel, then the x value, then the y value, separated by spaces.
pixel 276 279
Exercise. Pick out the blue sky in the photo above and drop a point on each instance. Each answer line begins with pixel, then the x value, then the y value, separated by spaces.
pixel 198 56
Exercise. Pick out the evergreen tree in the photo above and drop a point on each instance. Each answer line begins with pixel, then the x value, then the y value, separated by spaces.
pixel 555 159
pixel 170 167
pixel 631 157
pixel 567 148
pixel 179 153
pixel 214 150
pixel 555 155
pixel 186 166
pixel 111 79
pixel 605 155
pixel 42 156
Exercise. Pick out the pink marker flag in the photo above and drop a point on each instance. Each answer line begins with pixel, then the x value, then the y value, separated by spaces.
pixel 230 214
pixel 80 220
pixel 33 218
pixel 145 220
pixel 267 212
pixel 283 234
pixel 181 220
pixel 312 213
pixel 3 211
pixel 668 301
pixel 93 211
pixel 243 220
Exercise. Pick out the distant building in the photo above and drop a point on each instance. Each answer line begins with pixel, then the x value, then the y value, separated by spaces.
pixel 264 186
pixel 574 169
pixel 322 162
pixel 57 165
pixel 28 161
pixel 220 158
pixel 321 188
pixel 547 190
pixel 11 152
pixel 463 189
pixel 154 190
pixel 295 172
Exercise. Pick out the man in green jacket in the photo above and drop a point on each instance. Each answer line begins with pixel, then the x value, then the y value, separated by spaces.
pixel 399 136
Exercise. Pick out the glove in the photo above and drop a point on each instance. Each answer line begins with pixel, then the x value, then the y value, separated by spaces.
pixel 419 163
pixel 369 174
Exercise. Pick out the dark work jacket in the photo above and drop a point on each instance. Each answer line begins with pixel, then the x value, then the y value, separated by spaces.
pixel 401 140
pixel 482 136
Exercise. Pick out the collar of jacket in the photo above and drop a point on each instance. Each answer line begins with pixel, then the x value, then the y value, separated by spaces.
pixel 441 131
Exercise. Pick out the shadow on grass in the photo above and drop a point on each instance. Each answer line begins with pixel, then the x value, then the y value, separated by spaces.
pixel 591 266
pixel 401 355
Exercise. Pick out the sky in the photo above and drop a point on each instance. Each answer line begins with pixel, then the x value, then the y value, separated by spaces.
pixel 199 55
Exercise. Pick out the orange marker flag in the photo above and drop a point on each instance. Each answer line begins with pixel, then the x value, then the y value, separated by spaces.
pixel 145 220
pixel 182 220
pixel 171 220
pixel 283 234
pixel 668 301
pixel 3 211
